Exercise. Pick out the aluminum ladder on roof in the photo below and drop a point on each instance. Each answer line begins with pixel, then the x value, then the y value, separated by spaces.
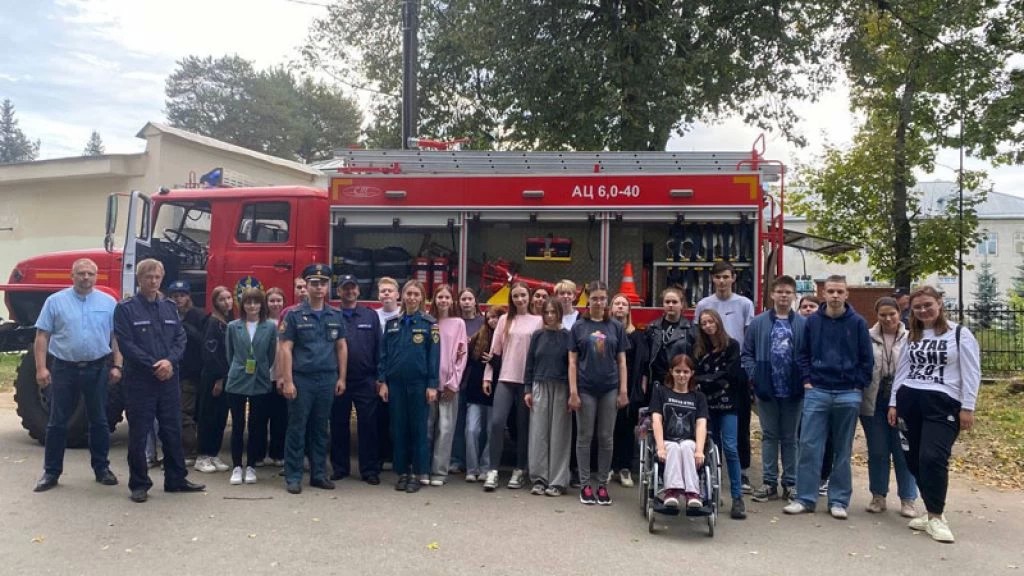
pixel 491 162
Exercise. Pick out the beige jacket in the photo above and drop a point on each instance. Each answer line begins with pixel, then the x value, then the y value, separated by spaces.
pixel 867 405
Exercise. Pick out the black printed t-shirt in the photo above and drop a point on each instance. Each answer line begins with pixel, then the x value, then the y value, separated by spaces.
pixel 679 412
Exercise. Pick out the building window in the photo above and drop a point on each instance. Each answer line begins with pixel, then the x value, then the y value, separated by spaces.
pixel 989 244
pixel 1018 242
pixel 947 279
pixel 264 223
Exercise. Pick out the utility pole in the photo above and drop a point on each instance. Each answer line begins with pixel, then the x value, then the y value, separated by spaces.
pixel 410 58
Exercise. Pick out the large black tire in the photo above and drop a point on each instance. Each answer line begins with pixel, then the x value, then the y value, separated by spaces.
pixel 34 407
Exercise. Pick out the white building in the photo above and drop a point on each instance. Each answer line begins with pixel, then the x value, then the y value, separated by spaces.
pixel 1000 217
pixel 60 204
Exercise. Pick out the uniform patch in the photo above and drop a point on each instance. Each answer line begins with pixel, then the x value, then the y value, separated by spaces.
pixel 417 338
pixel 282 326
pixel 334 333
pixel 435 337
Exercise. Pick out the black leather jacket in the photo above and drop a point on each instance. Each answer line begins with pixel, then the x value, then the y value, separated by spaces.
pixel 663 347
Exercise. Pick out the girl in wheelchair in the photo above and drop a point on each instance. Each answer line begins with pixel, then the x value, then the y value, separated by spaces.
pixel 679 418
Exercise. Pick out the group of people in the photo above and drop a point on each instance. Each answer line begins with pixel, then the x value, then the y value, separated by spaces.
pixel 435 392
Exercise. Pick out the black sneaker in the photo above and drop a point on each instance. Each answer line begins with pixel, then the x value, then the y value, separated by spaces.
pixel 402 483
pixel 745 486
pixel 765 493
pixel 739 510
pixel 602 496
pixel 587 495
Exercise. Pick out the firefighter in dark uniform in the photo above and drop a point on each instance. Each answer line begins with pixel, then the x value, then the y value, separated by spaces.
pixel 313 362
pixel 152 341
pixel 363 338
pixel 409 360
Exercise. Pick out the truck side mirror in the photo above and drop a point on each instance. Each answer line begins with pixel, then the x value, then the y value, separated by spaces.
pixel 111 225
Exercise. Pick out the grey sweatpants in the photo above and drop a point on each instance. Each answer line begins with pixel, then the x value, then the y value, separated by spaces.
pixel 550 434
pixel 441 428
pixel 508 397
pixel 599 412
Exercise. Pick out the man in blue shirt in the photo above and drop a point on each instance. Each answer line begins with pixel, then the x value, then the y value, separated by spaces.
pixel 152 340
pixel 313 360
pixel 362 336
pixel 76 326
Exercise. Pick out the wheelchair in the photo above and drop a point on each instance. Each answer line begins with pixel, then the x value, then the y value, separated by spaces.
pixel 649 484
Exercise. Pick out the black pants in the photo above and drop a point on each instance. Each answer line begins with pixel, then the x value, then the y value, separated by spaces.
pixel 384 448
pixel 146 399
pixel 213 418
pixel 931 424
pixel 258 414
pixel 277 418
pixel 362 396
pixel 743 408
pixel 625 442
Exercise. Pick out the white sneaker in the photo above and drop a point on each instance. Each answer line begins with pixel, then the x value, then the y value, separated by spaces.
pixel 939 530
pixel 219 464
pixel 437 480
pixel 204 465
pixel 492 481
pixel 516 481
pixel 796 507
pixel 625 478
pixel 920 523
pixel 838 512
pixel 236 476
pixel 470 477
pixel 250 475
pixel 907 509
pixel 424 479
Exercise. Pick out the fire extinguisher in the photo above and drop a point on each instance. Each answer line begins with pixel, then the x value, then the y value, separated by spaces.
pixel 439 273
pixel 421 272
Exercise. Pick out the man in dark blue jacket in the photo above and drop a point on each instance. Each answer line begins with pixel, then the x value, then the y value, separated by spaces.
pixel 773 341
pixel 152 341
pixel 836 361
pixel 363 336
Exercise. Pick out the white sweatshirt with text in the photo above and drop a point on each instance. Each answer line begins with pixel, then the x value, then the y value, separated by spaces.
pixel 935 362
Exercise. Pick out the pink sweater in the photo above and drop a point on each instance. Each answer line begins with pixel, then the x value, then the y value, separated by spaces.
pixel 513 347
pixel 453 352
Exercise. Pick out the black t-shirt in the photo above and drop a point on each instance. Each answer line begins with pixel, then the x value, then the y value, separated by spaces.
pixel 679 412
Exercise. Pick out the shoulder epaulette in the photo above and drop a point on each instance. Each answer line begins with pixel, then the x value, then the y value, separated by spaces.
pixel 429 318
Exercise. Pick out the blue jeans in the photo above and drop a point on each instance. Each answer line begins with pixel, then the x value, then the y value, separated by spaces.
pixel 724 427
pixel 831 413
pixel 883 442
pixel 310 408
pixel 67 382
pixel 780 418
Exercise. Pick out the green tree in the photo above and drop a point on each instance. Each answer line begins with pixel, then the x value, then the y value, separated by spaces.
pixel 95 145
pixel 14 145
pixel 270 111
pixel 615 74
pixel 1017 282
pixel 986 296
pixel 921 76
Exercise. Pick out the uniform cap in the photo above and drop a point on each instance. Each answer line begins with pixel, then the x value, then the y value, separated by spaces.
pixel 900 292
pixel 321 271
pixel 179 286
pixel 346 279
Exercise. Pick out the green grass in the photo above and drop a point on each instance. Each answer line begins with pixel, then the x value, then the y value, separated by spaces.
pixel 8 370
pixel 994 450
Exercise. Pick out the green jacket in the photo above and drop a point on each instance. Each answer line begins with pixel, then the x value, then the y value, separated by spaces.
pixel 240 349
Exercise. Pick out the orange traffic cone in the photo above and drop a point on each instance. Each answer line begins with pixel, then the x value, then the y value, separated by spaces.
pixel 628 286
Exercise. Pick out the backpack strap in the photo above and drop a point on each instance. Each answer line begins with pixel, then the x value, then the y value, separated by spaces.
pixel 957 336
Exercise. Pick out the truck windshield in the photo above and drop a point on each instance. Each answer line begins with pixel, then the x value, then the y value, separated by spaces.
pixel 183 228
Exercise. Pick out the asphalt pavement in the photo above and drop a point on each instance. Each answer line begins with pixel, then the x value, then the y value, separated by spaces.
pixel 81 527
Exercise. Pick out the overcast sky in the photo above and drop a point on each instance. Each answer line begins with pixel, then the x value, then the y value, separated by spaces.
pixel 73 66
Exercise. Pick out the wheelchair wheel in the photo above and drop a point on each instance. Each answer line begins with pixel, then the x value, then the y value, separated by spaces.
pixel 712 520
pixel 650 515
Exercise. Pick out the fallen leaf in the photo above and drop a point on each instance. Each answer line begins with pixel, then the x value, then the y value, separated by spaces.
pixel 754 552
pixel 316 519
pixel 107 547
pixel 252 536
pixel 38 539
pixel 195 538
pixel 852 553
pixel 433 546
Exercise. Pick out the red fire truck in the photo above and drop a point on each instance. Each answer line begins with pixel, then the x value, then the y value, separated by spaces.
pixel 478 219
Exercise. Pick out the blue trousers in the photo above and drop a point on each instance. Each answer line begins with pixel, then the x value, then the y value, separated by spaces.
pixel 724 428
pixel 780 418
pixel 827 414
pixel 147 399
pixel 362 396
pixel 311 407
pixel 68 380
pixel 409 413
pixel 883 448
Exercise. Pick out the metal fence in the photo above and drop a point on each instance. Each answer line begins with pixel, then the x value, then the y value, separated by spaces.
pixel 1000 334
